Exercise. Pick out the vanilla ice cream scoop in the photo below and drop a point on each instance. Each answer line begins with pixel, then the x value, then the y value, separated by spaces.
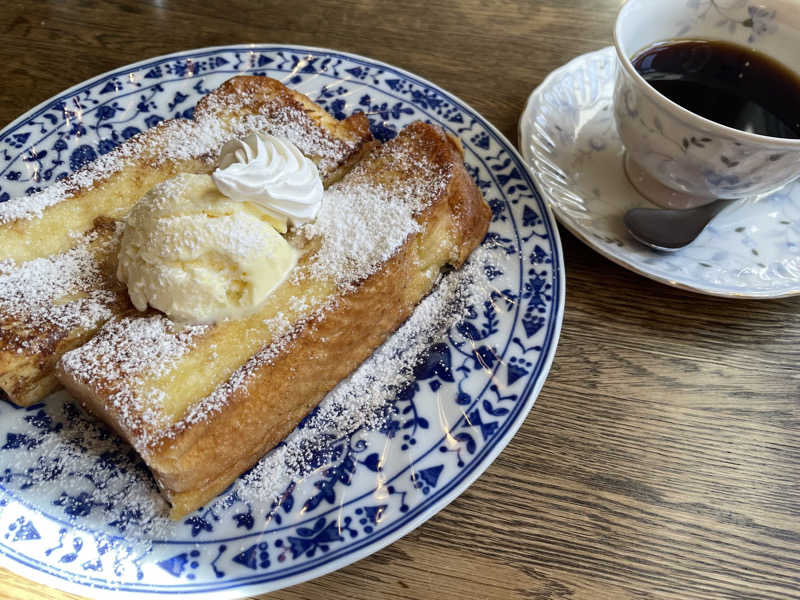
pixel 198 256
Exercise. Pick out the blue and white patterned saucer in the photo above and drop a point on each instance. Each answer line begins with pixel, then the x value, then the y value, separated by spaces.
pixel 569 140
pixel 470 395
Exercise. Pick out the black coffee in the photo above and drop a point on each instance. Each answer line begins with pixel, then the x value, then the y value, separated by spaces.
pixel 727 83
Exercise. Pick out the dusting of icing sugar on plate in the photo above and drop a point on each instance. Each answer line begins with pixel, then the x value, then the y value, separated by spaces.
pixel 367 488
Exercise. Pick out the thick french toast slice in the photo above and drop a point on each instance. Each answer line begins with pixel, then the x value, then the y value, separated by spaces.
pixel 55 302
pixel 202 404
pixel 51 305
pixel 47 222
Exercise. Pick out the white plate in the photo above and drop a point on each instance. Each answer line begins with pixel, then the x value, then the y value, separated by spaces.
pixel 469 397
pixel 569 140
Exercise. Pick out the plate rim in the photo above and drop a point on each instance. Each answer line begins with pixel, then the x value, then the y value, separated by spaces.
pixel 523 126
pixel 528 395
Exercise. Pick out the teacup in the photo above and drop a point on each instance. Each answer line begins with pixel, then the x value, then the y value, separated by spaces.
pixel 677 158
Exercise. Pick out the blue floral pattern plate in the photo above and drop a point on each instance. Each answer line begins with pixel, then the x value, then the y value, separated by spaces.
pixel 470 393
pixel 569 140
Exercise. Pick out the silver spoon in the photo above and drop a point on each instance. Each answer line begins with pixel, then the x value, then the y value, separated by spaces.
pixel 668 230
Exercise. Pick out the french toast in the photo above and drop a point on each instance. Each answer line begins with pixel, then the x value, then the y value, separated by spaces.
pixel 201 404
pixel 52 304
pixel 63 241
pixel 46 223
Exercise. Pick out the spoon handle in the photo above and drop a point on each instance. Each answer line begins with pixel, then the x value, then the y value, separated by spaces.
pixel 668 230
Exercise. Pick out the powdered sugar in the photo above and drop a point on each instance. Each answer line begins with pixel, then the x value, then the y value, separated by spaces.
pixel 159 335
pixel 363 221
pixel 361 225
pixel 57 294
pixel 126 349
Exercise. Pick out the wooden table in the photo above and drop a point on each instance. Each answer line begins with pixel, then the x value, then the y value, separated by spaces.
pixel 662 458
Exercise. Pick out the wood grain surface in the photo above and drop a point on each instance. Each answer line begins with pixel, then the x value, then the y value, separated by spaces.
pixel 662 458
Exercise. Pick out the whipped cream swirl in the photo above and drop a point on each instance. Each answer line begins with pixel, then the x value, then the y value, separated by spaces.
pixel 270 171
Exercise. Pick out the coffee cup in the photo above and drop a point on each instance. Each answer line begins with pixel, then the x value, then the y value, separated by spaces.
pixel 677 158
